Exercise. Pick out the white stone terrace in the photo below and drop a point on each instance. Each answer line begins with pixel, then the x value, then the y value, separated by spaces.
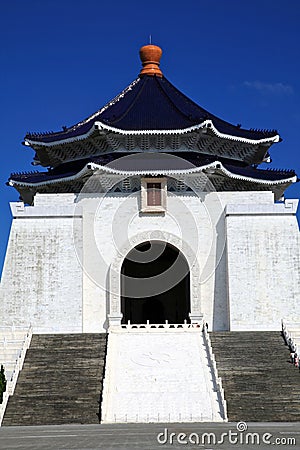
pixel 161 373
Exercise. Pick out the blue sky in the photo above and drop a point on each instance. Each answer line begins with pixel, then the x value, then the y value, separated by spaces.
pixel 62 60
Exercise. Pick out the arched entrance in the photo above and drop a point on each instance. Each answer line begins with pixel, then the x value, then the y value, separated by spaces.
pixel 155 284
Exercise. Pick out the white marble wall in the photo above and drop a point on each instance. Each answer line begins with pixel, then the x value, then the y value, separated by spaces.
pixel 42 278
pixel 56 272
pixel 263 265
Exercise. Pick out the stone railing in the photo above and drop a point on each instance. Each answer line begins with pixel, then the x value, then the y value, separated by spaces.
pixel 159 326
pixel 12 381
pixel 289 335
pixel 217 380
pixel 108 373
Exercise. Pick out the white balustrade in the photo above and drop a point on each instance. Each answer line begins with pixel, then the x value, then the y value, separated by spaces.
pixel 218 380
pixel 291 334
pixel 23 345
pixel 166 326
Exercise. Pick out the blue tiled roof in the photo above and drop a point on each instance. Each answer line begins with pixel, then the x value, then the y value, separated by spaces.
pixel 260 174
pixel 72 168
pixel 65 170
pixel 151 103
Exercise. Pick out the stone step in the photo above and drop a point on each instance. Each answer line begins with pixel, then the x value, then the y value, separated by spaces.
pixel 61 381
pixel 259 381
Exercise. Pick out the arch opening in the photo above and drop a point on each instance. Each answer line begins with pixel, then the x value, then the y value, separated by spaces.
pixel 155 285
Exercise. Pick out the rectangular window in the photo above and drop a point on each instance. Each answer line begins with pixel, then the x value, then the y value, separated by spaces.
pixel 153 194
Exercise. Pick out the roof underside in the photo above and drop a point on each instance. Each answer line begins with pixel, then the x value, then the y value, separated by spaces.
pixel 71 177
pixel 203 140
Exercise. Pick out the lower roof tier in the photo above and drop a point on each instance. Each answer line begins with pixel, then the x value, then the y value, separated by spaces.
pixel 204 139
pixel 111 171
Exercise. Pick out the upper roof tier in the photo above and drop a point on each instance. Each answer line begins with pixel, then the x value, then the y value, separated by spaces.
pixel 151 104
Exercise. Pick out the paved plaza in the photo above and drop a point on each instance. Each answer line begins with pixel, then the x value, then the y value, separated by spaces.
pixel 152 436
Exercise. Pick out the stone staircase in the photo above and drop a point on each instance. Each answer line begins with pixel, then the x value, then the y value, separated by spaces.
pixel 260 383
pixel 61 381
pixel 159 374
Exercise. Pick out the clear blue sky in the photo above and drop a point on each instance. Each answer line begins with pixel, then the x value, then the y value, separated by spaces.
pixel 63 60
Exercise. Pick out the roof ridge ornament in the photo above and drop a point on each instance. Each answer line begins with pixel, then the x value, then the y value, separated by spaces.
pixel 150 56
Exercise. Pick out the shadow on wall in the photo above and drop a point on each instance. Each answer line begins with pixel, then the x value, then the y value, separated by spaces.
pixel 221 311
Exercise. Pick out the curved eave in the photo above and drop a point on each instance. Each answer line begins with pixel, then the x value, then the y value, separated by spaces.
pixel 77 176
pixel 204 127
pixel 84 123
pixel 215 168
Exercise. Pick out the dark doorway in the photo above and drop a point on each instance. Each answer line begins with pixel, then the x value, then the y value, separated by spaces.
pixel 155 285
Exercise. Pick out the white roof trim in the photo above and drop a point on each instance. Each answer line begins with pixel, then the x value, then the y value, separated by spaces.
pixel 255 180
pixel 83 122
pixel 167 172
pixel 152 132
pixel 272 139
pixel 30 142
pixel 77 176
pixel 203 125
pixel 164 172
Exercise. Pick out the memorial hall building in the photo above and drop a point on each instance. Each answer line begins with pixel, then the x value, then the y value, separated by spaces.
pixel 152 224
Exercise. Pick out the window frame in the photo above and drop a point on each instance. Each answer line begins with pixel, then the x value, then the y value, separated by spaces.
pixel 145 208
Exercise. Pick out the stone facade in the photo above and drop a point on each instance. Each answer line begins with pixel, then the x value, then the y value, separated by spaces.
pixel 65 253
pixel 42 280
pixel 263 265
